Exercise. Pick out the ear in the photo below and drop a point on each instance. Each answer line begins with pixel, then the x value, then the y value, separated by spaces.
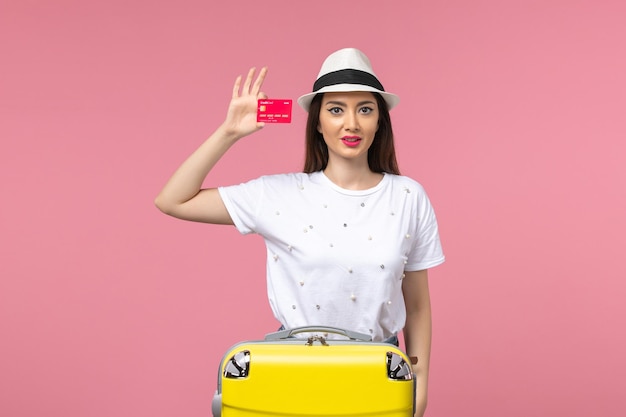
pixel 319 128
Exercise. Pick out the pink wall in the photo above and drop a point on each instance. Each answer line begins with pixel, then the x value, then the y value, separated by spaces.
pixel 512 116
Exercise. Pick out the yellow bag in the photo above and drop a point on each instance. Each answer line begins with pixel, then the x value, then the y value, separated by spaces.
pixel 312 376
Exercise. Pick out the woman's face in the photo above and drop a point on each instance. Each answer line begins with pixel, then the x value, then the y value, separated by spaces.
pixel 348 122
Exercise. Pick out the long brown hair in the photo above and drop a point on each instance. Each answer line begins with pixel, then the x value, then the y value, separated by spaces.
pixel 381 156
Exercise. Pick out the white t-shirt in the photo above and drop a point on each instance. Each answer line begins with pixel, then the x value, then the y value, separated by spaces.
pixel 336 257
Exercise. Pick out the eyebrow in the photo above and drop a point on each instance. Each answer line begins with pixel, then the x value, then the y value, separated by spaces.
pixel 341 103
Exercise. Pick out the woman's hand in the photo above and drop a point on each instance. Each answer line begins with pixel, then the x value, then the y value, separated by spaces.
pixel 242 110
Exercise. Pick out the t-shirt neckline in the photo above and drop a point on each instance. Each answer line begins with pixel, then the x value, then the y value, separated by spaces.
pixel 327 181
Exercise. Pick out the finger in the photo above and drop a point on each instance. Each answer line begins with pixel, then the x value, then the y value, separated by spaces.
pixel 259 81
pixel 262 95
pixel 246 84
pixel 236 87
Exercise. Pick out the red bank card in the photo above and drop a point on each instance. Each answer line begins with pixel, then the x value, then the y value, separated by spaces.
pixel 274 110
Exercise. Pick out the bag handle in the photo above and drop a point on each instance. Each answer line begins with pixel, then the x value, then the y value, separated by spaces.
pixel 284 334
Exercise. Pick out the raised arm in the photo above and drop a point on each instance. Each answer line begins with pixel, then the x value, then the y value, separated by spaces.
pixel 182 196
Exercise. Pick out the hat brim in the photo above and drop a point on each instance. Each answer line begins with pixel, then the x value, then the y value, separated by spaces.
pixel 305 101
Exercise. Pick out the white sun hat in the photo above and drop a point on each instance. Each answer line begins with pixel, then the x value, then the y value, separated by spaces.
pixel 347 70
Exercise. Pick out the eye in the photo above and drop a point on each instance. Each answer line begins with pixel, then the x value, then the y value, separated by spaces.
pixel 335 110
pixel 366 110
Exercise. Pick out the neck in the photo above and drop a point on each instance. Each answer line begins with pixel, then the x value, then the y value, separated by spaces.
pixel 352 177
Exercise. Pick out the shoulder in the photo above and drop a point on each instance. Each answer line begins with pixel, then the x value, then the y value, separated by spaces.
pixel 283 180
pixel 252 193
pixel 273 184
pixel 411 192
pixel 274 180
pixel 406 184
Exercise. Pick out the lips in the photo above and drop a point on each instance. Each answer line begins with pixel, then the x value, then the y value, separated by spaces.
pixel 351 141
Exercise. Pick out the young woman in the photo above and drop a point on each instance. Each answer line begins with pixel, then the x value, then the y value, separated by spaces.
pixel 349 240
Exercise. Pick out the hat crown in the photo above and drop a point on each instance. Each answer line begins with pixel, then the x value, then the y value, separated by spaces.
pixel 347 58
pixel 347 70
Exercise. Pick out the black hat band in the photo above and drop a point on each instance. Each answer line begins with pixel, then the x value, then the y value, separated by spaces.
pixel 347 76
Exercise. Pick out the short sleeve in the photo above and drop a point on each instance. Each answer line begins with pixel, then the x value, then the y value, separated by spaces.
pixel 242 202
pixel 426 251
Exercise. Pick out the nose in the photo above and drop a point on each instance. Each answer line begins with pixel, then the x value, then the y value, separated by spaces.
pixel 351 121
